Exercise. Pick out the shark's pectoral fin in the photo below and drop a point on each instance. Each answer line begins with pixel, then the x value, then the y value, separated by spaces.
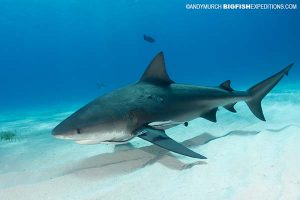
pixel 159 138
pixel 210 115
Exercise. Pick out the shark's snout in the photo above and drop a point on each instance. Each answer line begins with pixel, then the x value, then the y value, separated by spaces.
pixel 60 135
pixel 57 134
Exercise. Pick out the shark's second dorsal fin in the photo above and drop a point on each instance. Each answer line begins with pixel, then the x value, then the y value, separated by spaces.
pixel 226 86
pixel 156 72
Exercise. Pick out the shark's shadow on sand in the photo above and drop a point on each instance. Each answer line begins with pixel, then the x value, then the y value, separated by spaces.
pixel 127 159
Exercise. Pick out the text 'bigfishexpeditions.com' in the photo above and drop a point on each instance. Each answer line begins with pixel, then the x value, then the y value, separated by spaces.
pixel 238 6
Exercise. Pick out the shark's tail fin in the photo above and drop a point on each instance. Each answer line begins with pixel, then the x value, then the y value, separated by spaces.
pixel 260 90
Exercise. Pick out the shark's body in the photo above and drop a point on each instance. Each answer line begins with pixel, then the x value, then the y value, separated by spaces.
pixel 154 104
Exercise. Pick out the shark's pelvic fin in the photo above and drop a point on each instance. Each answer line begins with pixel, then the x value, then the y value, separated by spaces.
pixel 226 86
pixel 159 137
pixel 230 107
pixel 162 125
pixel 156 72
pixel 210 115
pixel 260 90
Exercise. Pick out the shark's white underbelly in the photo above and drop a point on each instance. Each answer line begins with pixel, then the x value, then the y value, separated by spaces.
pixel 106 137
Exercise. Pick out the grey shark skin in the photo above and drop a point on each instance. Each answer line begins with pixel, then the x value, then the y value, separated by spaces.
pixel 155 103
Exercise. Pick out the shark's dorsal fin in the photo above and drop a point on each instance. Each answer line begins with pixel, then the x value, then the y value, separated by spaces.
pixel 226 86
pixel 156 72
pixel 210 115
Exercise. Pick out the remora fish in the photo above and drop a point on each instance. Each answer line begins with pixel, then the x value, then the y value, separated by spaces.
pixel 155 103
pixel 149 39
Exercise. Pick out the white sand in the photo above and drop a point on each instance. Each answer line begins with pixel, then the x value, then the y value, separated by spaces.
pixel 256 160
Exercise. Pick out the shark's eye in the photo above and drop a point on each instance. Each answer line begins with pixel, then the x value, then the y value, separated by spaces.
pixel 78 131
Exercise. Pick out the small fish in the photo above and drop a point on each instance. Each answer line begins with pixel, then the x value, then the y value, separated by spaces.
pixel 100 85
pixel 149 39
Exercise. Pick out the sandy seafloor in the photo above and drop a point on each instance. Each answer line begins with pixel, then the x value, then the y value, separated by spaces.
pixel 247 159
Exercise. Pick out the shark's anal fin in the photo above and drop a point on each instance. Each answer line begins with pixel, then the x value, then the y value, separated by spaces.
pixel 210 115
pixel 230 107
pixel 226 86
pixel 159 138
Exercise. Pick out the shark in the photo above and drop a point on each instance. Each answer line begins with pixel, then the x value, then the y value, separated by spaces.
pixel 155 103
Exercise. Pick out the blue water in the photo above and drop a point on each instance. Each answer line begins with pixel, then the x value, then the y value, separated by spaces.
pixel 56 52
pixel 57 55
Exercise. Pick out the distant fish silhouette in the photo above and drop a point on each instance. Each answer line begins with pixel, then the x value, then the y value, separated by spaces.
pixel 149 39
pixel 100 85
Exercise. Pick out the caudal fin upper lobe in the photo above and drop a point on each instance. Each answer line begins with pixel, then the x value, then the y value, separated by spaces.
pixel 261 89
